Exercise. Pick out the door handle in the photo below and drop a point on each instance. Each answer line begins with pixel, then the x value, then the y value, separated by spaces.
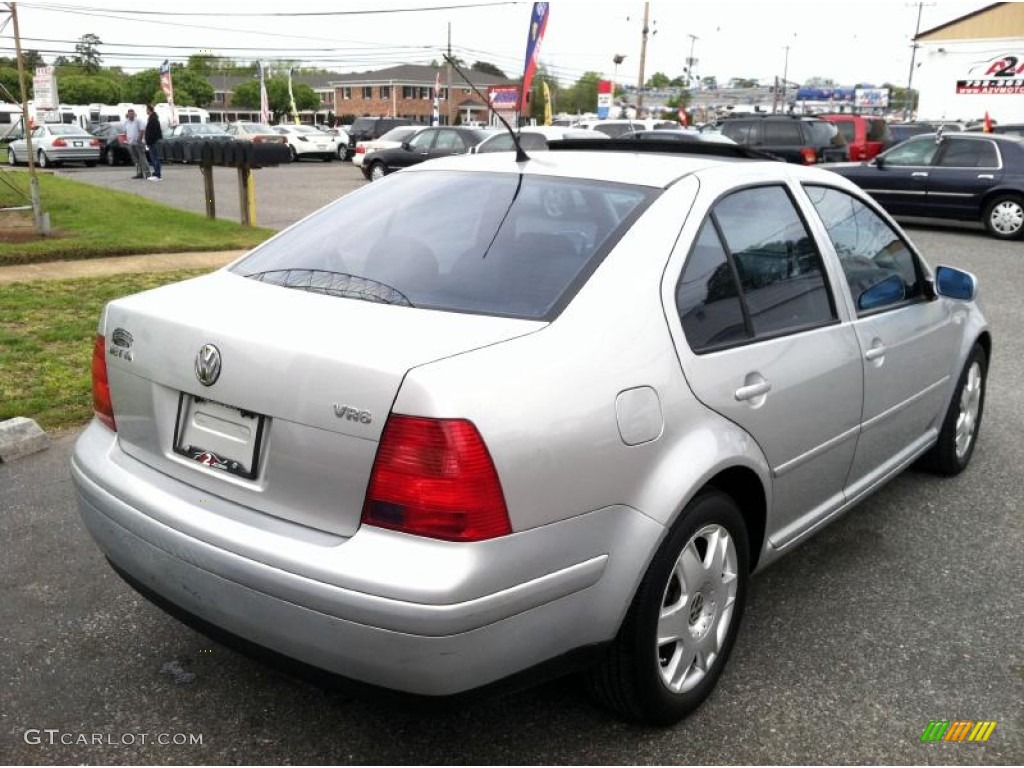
pixel 985 176
pixel 751 391
pixel 920 174
pixel 875 352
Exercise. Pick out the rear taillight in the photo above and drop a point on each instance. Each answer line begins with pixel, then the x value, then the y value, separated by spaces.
pixel 100 386
pixel 94 142
pixel 809 155
pixel 360 150
pixel 59 143
pixel 435 477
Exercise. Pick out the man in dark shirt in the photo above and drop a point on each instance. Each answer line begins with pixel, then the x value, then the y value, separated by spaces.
pixel 153 136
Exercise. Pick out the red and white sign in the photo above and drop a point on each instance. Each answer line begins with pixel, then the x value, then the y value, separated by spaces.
pixel 44 84
pixel 999 76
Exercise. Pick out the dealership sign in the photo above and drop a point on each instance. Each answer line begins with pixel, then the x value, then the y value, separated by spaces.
pixel 1002 75
pixel 604 98
pixel 44 85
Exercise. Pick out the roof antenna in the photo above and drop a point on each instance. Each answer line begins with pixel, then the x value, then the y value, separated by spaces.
pixel 521 156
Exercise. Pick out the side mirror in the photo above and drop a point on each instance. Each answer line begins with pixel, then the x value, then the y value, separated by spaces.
pixel 955 284
pixel 881 294
pixel 879 162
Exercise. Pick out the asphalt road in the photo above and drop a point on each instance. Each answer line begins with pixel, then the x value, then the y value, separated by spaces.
pixel 907 610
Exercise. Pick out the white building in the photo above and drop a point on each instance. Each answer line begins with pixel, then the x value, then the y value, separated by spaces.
pixel 973 65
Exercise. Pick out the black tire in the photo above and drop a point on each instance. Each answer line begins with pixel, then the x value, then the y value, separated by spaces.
pixel 1004 217
pixel 294 154
pixel 11 159
pixel 109 157
pixel 630 680
pixel 378 170
pixel 42 160
pixel 90 163
pixel 946 457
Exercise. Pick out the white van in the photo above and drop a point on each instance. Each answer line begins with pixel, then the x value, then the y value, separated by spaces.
pixel 10 121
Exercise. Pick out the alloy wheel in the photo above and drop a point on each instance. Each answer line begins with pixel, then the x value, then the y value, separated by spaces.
pixel 970 404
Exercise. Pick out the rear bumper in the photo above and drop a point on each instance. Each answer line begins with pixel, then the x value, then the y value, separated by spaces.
pixel 415 615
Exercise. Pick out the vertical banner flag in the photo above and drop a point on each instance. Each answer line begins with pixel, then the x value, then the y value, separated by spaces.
pixel 436 119
pixel 538 23
pixel 264 102
pixel 167 86
pixel 291 99
pixel 604 98
pixel 683 119
pixel 547 102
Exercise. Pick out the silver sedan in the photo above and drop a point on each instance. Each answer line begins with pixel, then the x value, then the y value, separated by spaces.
pixel 485 415
pixel 55 144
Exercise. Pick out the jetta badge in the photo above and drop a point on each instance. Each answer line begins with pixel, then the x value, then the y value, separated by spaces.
pixel 208 365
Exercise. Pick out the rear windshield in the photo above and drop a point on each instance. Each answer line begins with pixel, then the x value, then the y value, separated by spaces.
pixel 495 244
pixel 848 129
pixel 878 130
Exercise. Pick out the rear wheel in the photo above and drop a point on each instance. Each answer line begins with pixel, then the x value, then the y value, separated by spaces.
pixel 952 452
pixel 294 154
pixel 110 157
pixel 43 160
pixel 1004 217
pixel 11 159
pixel 684 618
pixel 378 171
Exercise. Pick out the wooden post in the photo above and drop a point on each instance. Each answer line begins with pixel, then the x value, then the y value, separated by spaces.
pixel 41 221
pixel 246 196
pixel 208 196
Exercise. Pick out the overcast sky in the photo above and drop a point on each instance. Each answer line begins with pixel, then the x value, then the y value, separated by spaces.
pixel 852 41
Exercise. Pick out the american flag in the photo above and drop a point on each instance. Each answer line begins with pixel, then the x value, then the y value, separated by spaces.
pixel 437 100
pixel 264 102
pixel 166 85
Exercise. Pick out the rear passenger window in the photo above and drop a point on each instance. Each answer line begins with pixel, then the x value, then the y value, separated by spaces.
pixel 707 297
pixel 785 132
pixel 754 272
pixel 742 132
pixel 870 251
pixel 968 153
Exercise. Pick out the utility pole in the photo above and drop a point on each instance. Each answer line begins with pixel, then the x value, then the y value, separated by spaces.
pixel 448 71
pixel 908 102
pixel 690 61
pixel 33 181
pixel 785 74
pixel 643 58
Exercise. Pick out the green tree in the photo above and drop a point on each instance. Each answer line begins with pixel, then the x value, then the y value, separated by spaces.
pixel 87 53
pixel 86 89
pixel 710 82
pixel 11 90
pixel 820 82
pixel 247 95
pixel 658 81
pixel 488 69
pixel 743 82
pixel 191 89
pixel 582 96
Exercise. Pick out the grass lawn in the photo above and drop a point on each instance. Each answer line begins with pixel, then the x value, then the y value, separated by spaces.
pixel 46 336
pixel 91 222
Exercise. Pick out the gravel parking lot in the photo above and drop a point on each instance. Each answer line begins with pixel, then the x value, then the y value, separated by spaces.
pixel 907 610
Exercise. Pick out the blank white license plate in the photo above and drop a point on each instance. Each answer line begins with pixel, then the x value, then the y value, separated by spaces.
pixel 219 436
pixel 78 143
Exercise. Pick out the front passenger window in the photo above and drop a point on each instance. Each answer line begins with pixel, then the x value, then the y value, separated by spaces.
pixel 869 250
pixel 915 152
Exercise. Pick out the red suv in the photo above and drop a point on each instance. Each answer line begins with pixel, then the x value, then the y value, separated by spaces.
pixel 865 136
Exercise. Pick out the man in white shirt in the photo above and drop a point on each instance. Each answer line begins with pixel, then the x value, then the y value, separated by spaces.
pixel 135 131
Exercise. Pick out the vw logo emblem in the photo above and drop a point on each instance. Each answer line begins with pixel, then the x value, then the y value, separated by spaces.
pixel 208 365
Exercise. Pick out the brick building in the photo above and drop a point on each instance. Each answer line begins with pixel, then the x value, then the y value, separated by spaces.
pixel 407 91
pixel 221 108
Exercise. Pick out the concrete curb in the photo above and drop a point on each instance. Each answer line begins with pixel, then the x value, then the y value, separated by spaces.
pixel 20 437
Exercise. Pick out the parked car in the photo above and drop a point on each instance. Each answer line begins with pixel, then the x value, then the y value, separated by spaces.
pixel 614 128
pixel 389 140
pixel 341 139
pixel 255 132
pixel 534 138
pixel 709 137
pixel 958 176
pixel 803 140
pixel 198 131
pixel 1015 129
pixel 113 143
pixel 305 141
pixel 370 128
pixel 902 131
pixel 484 414
pixel 865 136
pixel 55 144
pixel 425 145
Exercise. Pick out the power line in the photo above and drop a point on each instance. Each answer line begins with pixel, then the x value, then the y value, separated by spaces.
pixel 263 14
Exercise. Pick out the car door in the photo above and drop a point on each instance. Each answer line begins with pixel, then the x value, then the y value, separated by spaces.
pixel 898 179
pixel 908 342
pixel 964 170
pixel 764 347
pixel 449 142
pixel 414 151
